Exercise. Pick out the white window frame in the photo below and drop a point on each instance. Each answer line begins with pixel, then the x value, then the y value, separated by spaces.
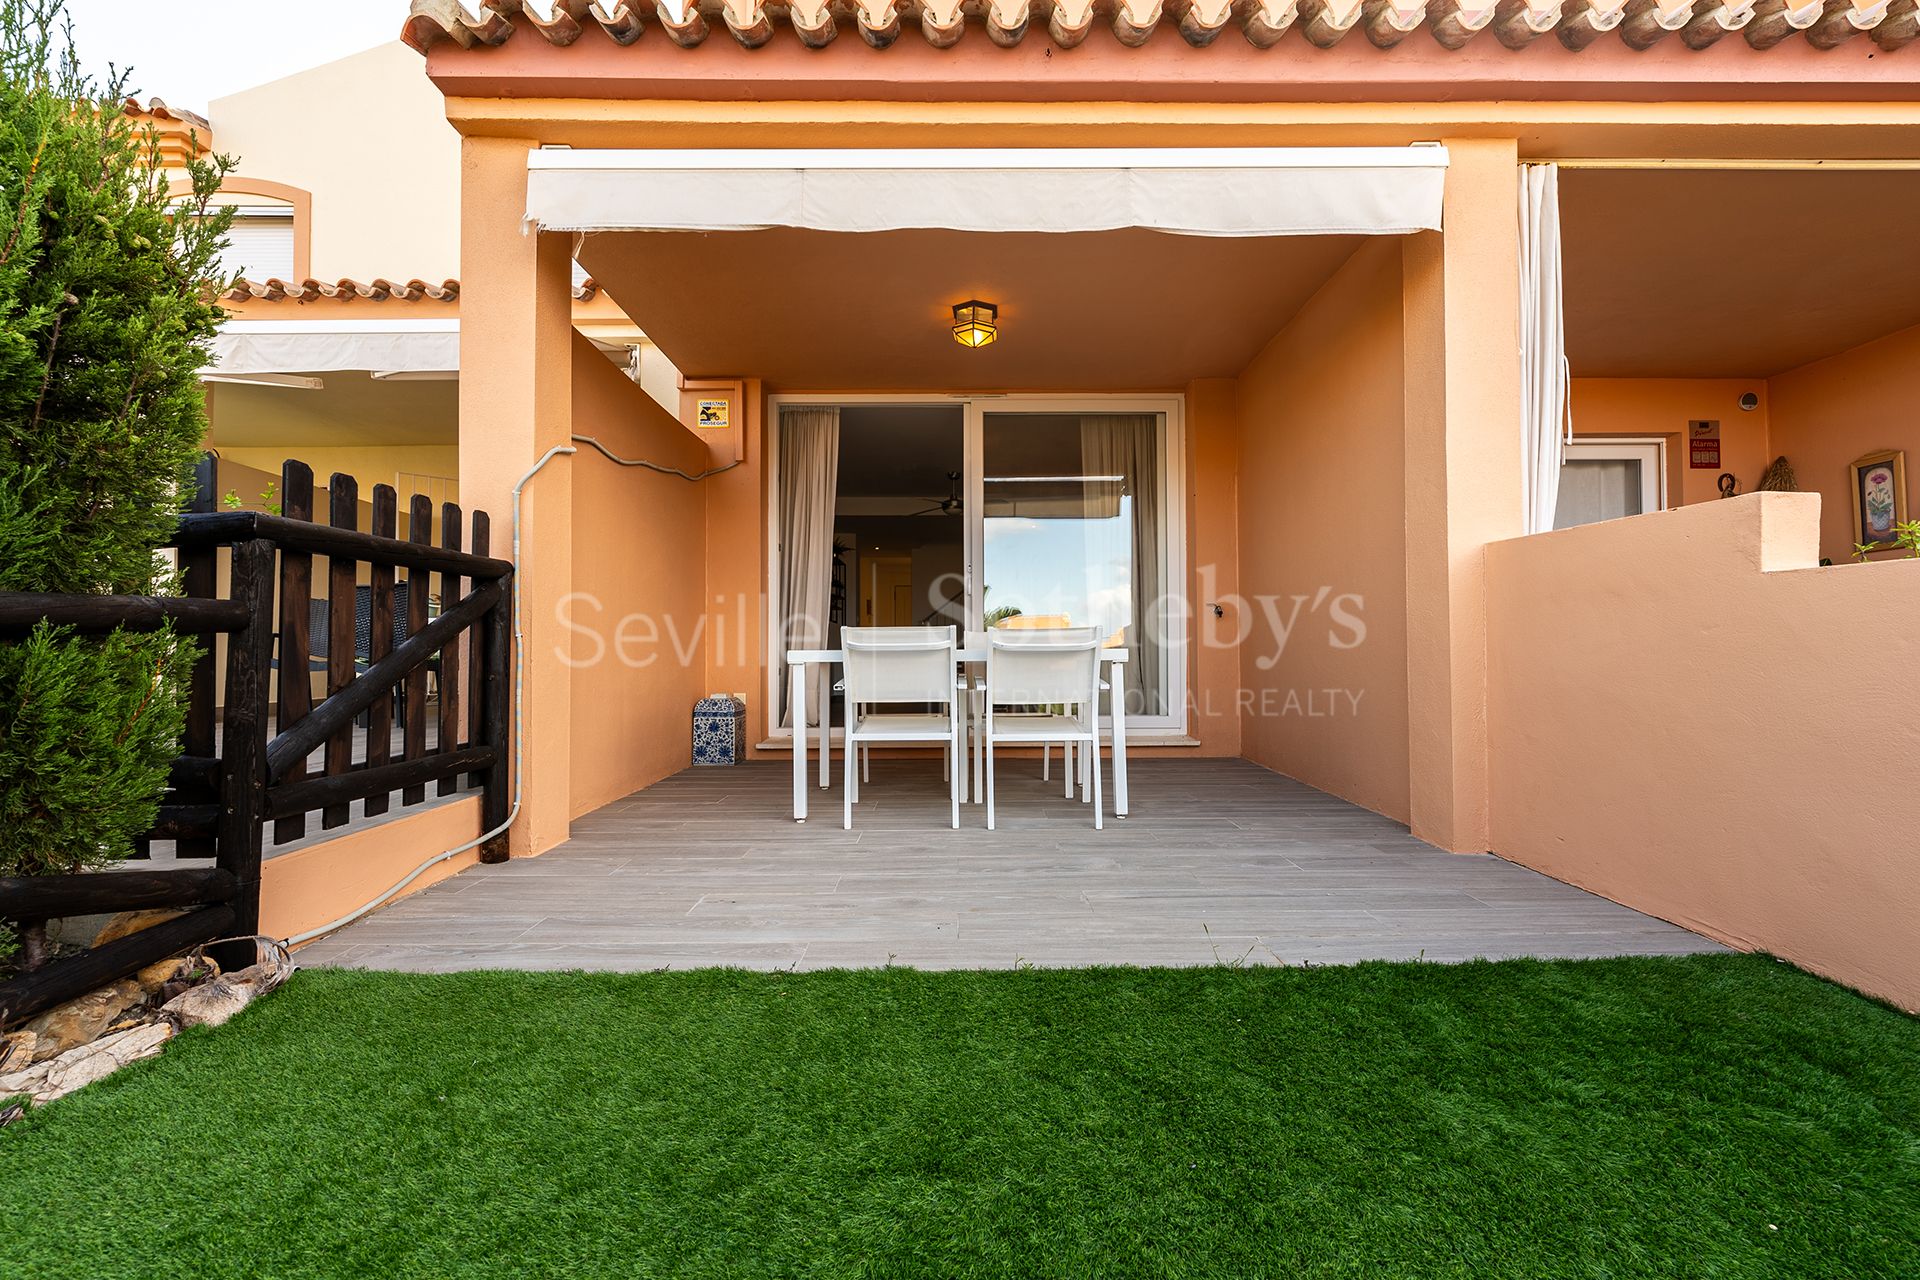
pixel 1649 451
pixel 975 407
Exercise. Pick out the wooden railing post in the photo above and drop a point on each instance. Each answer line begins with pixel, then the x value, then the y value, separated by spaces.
pixel 343 512
pixel 380 641
pixel 200 578
pixel 494 676
pixel 449 656
pixel 413 734
pixel 477 651
pixel 243 772
pixel 296 589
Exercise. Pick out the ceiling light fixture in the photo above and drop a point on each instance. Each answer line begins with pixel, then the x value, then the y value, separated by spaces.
pixel 975 323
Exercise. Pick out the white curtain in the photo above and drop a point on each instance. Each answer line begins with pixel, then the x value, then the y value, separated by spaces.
pixel 1544 375
pixel 809 473
pixel 1128 445
pixel 1593 489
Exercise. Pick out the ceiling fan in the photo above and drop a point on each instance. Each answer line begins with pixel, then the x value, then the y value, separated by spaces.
pixel 947 506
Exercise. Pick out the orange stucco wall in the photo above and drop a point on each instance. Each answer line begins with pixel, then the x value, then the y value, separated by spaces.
pixel 1689 717
pixel 635 617
pixel 1214 715
pixel 516 404
pixel 1826 414
pixel 1663 407
pixel 1462 476
pixel 317 885
pixel 1322 541
pixel 736 643
pixel 1820 416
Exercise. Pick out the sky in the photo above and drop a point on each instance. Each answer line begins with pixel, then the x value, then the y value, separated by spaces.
pixel 189 52
pixel 1080 568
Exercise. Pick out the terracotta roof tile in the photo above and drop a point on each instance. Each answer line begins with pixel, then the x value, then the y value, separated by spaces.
pixel 344 289
pixel 349 290
pixel 1639 24
pixel 160 112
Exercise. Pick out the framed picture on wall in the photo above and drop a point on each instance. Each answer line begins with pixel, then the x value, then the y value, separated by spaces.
pixel 1879 496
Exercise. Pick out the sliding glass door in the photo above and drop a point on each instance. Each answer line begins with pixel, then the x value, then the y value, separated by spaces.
pixel 1072 532
pixel 989 511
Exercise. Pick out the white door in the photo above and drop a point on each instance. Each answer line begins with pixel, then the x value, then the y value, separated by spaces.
pixel 1608 479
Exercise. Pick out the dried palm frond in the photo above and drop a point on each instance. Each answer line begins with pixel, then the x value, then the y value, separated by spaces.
pixel 1779 477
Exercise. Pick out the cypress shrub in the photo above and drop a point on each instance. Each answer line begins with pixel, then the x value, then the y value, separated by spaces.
pixel 107 312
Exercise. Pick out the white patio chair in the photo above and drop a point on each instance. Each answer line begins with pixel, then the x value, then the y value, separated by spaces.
pixel 893 665
pixel 946 761
pixel 1056 622
pixel 865 753
pixel 1046 669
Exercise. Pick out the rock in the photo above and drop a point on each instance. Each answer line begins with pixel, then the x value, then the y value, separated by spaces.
pixel 132 922
pixel 57 1077
pixel 15 1083
pixel 16 1050
pixel 78 1022
pixel 210 1003
pixel 161 972
pixel 168 991
pixel 265 975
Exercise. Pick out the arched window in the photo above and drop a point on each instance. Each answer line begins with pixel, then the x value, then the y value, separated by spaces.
pixel 272 230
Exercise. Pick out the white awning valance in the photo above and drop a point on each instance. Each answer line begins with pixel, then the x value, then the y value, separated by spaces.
pixel 1224 191
pixel 245 347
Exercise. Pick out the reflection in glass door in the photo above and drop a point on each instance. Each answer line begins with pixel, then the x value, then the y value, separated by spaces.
pixel 1072 532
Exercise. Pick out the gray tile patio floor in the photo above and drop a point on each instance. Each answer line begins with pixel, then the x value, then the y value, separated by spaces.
pixel 1221 862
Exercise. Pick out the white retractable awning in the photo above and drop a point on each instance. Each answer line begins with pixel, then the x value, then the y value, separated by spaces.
pixel 1222 191
pixel 245 347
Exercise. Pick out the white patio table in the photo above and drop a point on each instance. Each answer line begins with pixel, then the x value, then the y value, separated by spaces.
pixel 972 654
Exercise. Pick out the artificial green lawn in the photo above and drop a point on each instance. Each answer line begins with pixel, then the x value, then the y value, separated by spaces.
pixel 1709 1116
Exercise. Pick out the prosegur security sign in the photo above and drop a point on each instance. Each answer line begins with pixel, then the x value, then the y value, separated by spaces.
pixel 1703 444
pixel 713 415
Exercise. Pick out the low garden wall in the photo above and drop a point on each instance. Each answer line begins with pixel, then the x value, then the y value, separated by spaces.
pixel 314 886
pixel 1689 715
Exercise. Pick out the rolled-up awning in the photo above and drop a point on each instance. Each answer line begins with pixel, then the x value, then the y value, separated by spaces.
pixel 244 347
pixel 1222 191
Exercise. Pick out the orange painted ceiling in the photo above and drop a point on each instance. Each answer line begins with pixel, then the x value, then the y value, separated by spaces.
pixel 1722 274
pixel 1112 310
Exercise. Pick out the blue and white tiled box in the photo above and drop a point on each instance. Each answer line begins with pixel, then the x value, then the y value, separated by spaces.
pixel 719 730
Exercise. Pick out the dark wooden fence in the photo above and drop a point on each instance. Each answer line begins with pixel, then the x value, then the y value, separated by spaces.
pixel 244 765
